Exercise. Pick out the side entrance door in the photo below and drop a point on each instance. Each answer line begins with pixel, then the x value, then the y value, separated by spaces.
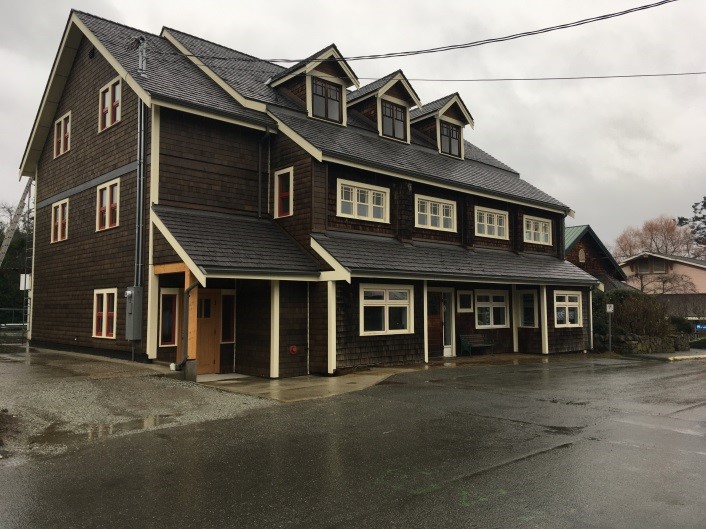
pixel 440 318
pixel 208 315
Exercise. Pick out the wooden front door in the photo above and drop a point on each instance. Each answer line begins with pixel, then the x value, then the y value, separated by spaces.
pixel 208 314
pixel 435 319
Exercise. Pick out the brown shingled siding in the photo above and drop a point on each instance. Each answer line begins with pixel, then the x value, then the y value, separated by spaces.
pixel 252 328
pixel 318 328
pixel 293 329
pixel 597 262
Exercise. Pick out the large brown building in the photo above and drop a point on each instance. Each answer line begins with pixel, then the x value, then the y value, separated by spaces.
pixel 192 199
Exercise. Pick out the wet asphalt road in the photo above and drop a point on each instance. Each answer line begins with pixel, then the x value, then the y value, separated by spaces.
pixel 584 443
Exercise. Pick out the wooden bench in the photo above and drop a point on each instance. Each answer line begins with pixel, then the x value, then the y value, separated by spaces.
pixel 470 344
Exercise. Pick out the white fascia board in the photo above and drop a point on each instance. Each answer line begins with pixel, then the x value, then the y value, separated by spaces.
pixel 296 138
pixel 198 273
pixel 211 115
pixel 340 272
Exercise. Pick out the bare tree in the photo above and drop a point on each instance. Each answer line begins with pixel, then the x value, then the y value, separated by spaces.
pixel 670 283
pixel 659 235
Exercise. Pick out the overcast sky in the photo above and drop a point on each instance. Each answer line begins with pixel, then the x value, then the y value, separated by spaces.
pixel 617 151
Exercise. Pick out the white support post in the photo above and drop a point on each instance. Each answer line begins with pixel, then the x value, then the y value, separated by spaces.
pixel 152 306
pixel 545 319
pixel 515 321
pixel 590 318
pixel 331 304
pixel 426 326
pixel 274 329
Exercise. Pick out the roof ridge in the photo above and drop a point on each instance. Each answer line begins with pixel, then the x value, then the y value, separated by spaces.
pixel 116 23
pixel 221 46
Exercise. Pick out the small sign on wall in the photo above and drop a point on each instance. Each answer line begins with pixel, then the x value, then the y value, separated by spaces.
pixel 25 281
pixel 610 308
pixel 700 327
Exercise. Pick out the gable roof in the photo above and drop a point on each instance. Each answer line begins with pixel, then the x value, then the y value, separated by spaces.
pixel 573 234
pixel 317 58
pixel 699 263
pixel 377 86
pixel 438 107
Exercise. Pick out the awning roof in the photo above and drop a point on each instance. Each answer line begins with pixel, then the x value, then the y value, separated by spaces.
pixel 364 255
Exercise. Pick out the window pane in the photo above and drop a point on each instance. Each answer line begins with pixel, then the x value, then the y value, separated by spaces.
pixel 373 319
pixel 334 112
pixel 573 315
pixel 362 196
pixel 498 315
pixel 498 299
pixel 319 106
pixel 167 331
pixel 573 299
pixel 397 318
pixel 448 223
pixel 400 131
pixel 480 228
pixel 561 299
pixel 378 213
pixel 560 315
pixel 398 295
pixel 363 210
pixel 374 294
pixel 483 315
pixel 346 193
pixel 483 298
pixel 347 208
pixel 465 301
pixel 422 219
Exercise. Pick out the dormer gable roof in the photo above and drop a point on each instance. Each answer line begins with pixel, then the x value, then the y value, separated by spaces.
pixel 381 86
pixel 690 261
pixel 327 55
pixel 440 106
pixel 573 234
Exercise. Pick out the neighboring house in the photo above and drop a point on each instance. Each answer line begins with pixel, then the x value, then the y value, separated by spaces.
pixel 306 225
pixel 656 273
pixel 584 249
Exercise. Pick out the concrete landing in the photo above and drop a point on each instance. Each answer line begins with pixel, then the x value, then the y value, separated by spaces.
pixel 692 354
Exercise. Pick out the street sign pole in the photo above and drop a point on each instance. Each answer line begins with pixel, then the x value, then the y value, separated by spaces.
pixel 610 308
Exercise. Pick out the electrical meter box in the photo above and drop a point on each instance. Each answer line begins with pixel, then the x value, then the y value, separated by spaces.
pixel 133 313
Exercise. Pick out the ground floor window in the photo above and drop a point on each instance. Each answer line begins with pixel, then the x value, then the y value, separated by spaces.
pixel 228 317
pixel 567 309
pixel 104 308
pixel 491 309
pixel 168 310
pixel 386 309
pixel 528 309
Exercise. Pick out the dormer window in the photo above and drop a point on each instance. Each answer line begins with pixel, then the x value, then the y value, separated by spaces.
pixel 326 100
pixel 394 120
pixel 450 139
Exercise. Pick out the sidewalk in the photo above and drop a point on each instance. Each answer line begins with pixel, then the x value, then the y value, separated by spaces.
pixel 691 354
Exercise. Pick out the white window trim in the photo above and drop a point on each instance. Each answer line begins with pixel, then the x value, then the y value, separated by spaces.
pixel 289 170
pixel 98 205
pixel 310 96
pixel 53 218
pixel 169 291
pixel 103 292
pixel 100 103
pixel 386 304
pixel 582 255
pixel 566 305
pixel 442 202
pixel 492 304
pixel 230 292
pixel 368 187
pixel 460 293
pixel 399 102
pixel 61 121
pixel 525 218
pixel 506 237
pixel 452 121
pixel 521 293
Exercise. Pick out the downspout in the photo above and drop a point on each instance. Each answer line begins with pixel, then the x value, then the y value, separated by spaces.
pixel 185 327
pixel 140 192
pixel 259 171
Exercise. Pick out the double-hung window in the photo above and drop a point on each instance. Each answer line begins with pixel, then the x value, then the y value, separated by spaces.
pixel 491 223
pixel 394 120
pixel 528 308
pixel 643 266
pixel 450 139
pixel 567 309
pixel 284 182
pixel 435 213
pixel 168 322
pixel 110 101
pixel 538 231
pixel 104 308
pixel 62 135
pixel 108 205
pixel 491 309
pixel 363 201
pixel 386 309
pixel 60 220
pixel 326 100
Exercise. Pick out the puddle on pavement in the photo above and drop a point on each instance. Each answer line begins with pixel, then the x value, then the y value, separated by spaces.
pixel 55 436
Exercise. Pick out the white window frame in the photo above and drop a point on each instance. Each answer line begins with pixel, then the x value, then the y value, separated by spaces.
pixel 109 122
pixel 107 187
pixel 461 309
pixel 450 121
pixel 440 203
pixel 496 212
pixel 56 208
pixel 64 124
pixel 310 72
pixel 566 305
pixel 520 316
pixel 224 293
pixel 541 221
pixel 103 293
pixel 169 292
pixel 398 102
pixel 367 187
pixel 386 303
pixel 277 214
pixel 582 255
pixel 492 304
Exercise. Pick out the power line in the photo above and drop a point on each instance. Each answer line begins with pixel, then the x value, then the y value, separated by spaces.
pixel 574 78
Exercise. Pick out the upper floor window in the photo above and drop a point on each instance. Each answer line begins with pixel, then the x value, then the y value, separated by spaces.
pixel 491 309
pixel 60 220
pixel 386 309
pixel 284 182
pixel 567 309
pixel 658 266
pixel 491 223
pixel 104 308
pixel 363 201
pixel 538 231
pixel 326 100
pixel 394 120
pixel 450 139
pixel 109 104
pixel 435 214
pixel 582 255
pixel 643 266
pixel 108 205
pixel 62 134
